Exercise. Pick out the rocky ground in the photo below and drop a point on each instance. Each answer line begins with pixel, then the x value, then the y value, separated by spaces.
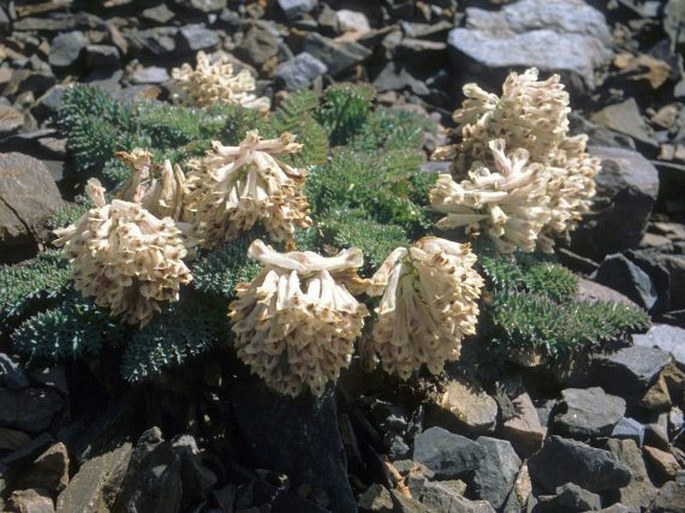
pixel 605 431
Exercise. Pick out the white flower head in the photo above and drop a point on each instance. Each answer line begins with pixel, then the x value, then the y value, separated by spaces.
pixel 429 303
pixel 296 322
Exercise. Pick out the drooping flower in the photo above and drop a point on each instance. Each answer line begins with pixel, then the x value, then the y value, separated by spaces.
pixel 234 187
pixel 429 303
pixel 296 322
pixel 125 258
pixel 210 83
pixel 511 204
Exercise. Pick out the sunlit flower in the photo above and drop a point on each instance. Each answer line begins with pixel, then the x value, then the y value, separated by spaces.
pixel 429 303
pixel 296 322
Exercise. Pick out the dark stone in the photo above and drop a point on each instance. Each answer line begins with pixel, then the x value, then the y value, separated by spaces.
pixel 11 439
pixel 666 338
pixel 49 471
pixel 295 8
pixel 150 75
pixel 337 56
pixel 627 188
pixel 562 461
pixel 102 56
pixel 398 449
pixel 671 499
pixel 631 429
pixel 28 452
pixel 158 41
pixel 396 77
pixel 257 45
pixel 639 492
pixel 447 454
pixel 198 37
pixel 587 413
pixel 494 478
pixel 66 49
pixel 29 409
pixel 630 369
pixel 569 498
pixel 625 118
pixel 58 22
pixel 524 429
pixel 299 71
pixel 11 375
pixel 301 439
pixel 440 495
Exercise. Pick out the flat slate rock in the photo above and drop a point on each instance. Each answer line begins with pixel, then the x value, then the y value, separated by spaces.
pixel 447 454
pixel 299 71
pixel 630 369
pixel 494 479
pixel 623 275
pixel 464 405
pixel 665 337
pixel 588 413
pixel 29 409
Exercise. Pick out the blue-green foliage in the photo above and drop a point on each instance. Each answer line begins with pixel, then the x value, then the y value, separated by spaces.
pixel 344 111
pixel 392 129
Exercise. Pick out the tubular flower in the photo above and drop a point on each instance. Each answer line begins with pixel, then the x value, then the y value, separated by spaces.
pixel 429 303
pixel 296 322
pixel 233 187
pixel 511 204
pixel 125 258
pixel 211 83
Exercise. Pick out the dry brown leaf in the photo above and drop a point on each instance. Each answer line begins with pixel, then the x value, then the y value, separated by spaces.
pixel 657 70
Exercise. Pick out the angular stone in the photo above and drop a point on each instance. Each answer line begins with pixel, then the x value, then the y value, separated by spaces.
pixel 494 478
pixel 656 398
pixel 376 498
pixel 628 370
pixel 440 495
pixel 569 497
pixel 671 499
pixel 667 338
pixel 639 492
pixel 102 56
pixel 664 463
pixel 30 501
pixel 11 119
pixel 447 454
pixel 625 118
pixel 621 274
pixel 337 56
pixel 66 49
pixel 628 428
pixel 158 14
pixel 524 430
pixel 588 413
pixel 11 439
pixel 49 471
pixel 295 8
pixel 353 21
pixel 595 470
pixel 198 37
pixel 257 46
pixel 96 484
pixel 464 406
pixel 299 71
pixel 627 188
pixel 205 6
pixel 29 409
pixel 150 75
pixel 28 452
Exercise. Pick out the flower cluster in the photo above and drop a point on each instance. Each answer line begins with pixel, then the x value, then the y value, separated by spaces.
pixel 211 83
pixel 296 322
pixel 124 257
pixel 530 119
pixel 429 303
pixel 233 187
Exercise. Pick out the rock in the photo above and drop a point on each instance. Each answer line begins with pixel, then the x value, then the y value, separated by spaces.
pixel 447 454
pixel 464 406
pixel 523 430
pixel 494 478
pixel 628 370
pixel 11 439
pixel 376 499
pixel 675 267
pixel 353 21
pixel 621 274
pixel 29 501
pixel 256 46
pixel 337 56
pixel 396 77
pixel 205 6
pixel 588 413
pixel 666 338
pixel 159 14
pixel 95 486
pixel 663 463
pixel 102 56
pixel 301 439
pixel 569 497
pixel 11 120
pixel 198 37
pixel 625 118
pixel 65 49
pixel 29 409
pixel 615 508
pixel 27 453
pixel 591 292
pixel 595 470
pixel 295 8
pixel 671 498
pixel 639 492
pixel 49 471
pixel 150 75
pixel 439 495
pixel 299 71
pixel 570 38
pixel 157 41
pixel 27 195
pixel 656 398
pixel 628 428
pixel 656 432
pixel 627 188
pixel 11 374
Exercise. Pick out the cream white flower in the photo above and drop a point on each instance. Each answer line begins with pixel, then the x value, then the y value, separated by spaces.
pixel 429 303
pixel 217 82
pixel 234 187
pixel 296 322
pixel 125 258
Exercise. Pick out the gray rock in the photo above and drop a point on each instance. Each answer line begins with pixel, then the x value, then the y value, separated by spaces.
pixel 159 14
pixel 627 188
pixel 150 75
pixel 631 429
pixel 427 31
pixel 494 478
pixel 595 470
pixel 629 369
pixel 102 56
pixel 440 495
pixel 639 492
pixel 299 71
pixel 464 406
pixel 353 21
pixel 158 41
pixel 616 508
pixel 656 432
pixel 626 119
pixel 587 413
pixel 295 8
pixel 11 375
pixel 205 6
pixel 97 483
pixel 396 77
pixel 674 18
pixel 301 439
pixel 447 454
pixel 29 409
pixel 66 48
pixel 30 501
pixel 524 430
pixel 28 452
pixel 11 120
pixel 337 56
pixel 671 498
pixel 58 22
pixel 569 498
pixel 568 37
pixel 667 338
pixel 376 498
pixel 11 439
pixel 49 471
pixel 257 45
pixel 198 37
pixel 675 266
